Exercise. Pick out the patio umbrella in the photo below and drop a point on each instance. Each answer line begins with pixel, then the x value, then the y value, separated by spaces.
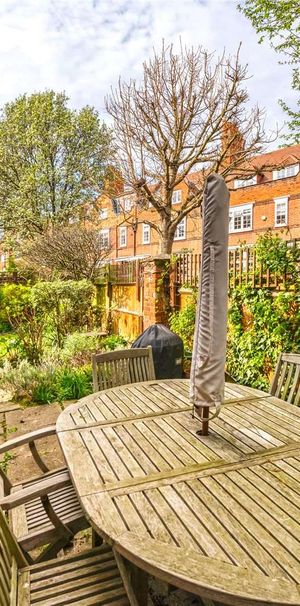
pixel 208 363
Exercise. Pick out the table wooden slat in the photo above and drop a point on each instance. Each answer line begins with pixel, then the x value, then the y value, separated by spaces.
pixel 218 515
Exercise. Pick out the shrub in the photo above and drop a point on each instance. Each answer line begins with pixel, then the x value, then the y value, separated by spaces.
pixel 16 308
pixel 74 383
pixel 46 383
pixel 113 342
pixel 261 324
pixel 66 304
pixel 183 324
pixel 22 379
pixel 277 255
pixel 78 347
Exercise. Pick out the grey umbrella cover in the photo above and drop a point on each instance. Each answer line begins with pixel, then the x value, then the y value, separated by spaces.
pixel 209 352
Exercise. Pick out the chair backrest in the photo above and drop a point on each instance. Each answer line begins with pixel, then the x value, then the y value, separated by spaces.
pixel 286 379
pixel 11 558
pixel 122 366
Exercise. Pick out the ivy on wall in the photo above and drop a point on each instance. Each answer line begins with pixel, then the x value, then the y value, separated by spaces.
pixel 261 324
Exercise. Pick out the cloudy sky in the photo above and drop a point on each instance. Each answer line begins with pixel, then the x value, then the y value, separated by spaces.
pixel 83 46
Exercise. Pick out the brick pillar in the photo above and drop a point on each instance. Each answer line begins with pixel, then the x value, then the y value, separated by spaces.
pixel 156 306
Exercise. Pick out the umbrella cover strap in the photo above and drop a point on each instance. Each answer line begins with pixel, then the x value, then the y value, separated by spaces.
pixel 217 407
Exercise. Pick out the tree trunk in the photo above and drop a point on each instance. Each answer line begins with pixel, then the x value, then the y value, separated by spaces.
pixel 166 239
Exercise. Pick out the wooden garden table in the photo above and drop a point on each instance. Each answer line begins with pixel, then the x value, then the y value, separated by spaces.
pixel 215 515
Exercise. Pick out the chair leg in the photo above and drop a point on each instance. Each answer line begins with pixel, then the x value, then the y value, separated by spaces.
pixel 96 539
pixel 139 581
pixel 52 550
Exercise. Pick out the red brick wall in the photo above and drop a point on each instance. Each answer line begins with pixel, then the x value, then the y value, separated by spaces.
pixel 261 195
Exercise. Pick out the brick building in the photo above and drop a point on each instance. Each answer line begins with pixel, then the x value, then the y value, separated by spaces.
pixel 268 199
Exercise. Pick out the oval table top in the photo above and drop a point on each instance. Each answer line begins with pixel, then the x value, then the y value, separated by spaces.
pixel 216 515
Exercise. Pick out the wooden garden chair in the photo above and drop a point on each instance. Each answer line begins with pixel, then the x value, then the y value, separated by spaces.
pixel 90 578
pixel 286 379
pixel 121 367
pixel 35 519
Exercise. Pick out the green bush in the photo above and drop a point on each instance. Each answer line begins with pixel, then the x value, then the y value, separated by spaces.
pixel 183 324
pixel 67 305
pixel 74 383
pixel 113 342
pixel 46 383
pixel 261 324
pixel 17 310
pixel 23 378
pixel 78 347
pixel 277 255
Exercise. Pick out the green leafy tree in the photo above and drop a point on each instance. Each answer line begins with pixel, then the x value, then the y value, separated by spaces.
pixel 279 256
pixel 52 161
pixel 279 20
pixel 65 303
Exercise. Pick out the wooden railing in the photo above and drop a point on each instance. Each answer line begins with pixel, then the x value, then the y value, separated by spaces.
pixel 187 269
pixel 243 267
pixel 120 272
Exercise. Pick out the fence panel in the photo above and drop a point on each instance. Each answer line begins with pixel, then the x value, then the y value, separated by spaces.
pixel 243 267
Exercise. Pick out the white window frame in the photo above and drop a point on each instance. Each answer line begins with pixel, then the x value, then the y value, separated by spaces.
pixel 177 235
pixel 176 196
pixel 287 171
pixel 103 213
pixel 246 182
pixel 283 200
pixel 104 238
pixel 146 235
pixel 123 236
pixel 126 203
pixel 239 210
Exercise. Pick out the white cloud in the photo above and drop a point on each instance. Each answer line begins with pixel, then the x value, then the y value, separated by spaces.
pixel 82 46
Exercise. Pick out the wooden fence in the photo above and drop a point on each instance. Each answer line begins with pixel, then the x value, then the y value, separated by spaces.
pixel 120 293
pixel 243 267
pixel 120 272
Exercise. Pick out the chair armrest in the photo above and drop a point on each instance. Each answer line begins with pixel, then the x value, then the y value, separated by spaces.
pixel 27 437
pixel 38 489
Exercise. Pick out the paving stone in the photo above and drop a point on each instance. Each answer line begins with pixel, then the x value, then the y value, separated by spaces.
pixel 8 406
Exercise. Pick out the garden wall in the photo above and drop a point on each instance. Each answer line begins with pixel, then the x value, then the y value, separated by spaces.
pixel 123 309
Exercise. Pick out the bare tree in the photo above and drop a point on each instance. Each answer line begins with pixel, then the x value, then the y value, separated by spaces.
pixel 73 252
pixel 190 112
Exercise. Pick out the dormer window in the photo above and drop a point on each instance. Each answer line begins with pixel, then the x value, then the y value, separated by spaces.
pixel 245 182
pixel 286 171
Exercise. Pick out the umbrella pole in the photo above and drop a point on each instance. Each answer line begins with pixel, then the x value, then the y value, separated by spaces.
pixel 203 414
pixel 205 420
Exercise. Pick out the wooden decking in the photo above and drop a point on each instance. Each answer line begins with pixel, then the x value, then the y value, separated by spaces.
pixel 216 515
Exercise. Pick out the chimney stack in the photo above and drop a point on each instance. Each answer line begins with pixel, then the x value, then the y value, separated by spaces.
pixel 232 142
